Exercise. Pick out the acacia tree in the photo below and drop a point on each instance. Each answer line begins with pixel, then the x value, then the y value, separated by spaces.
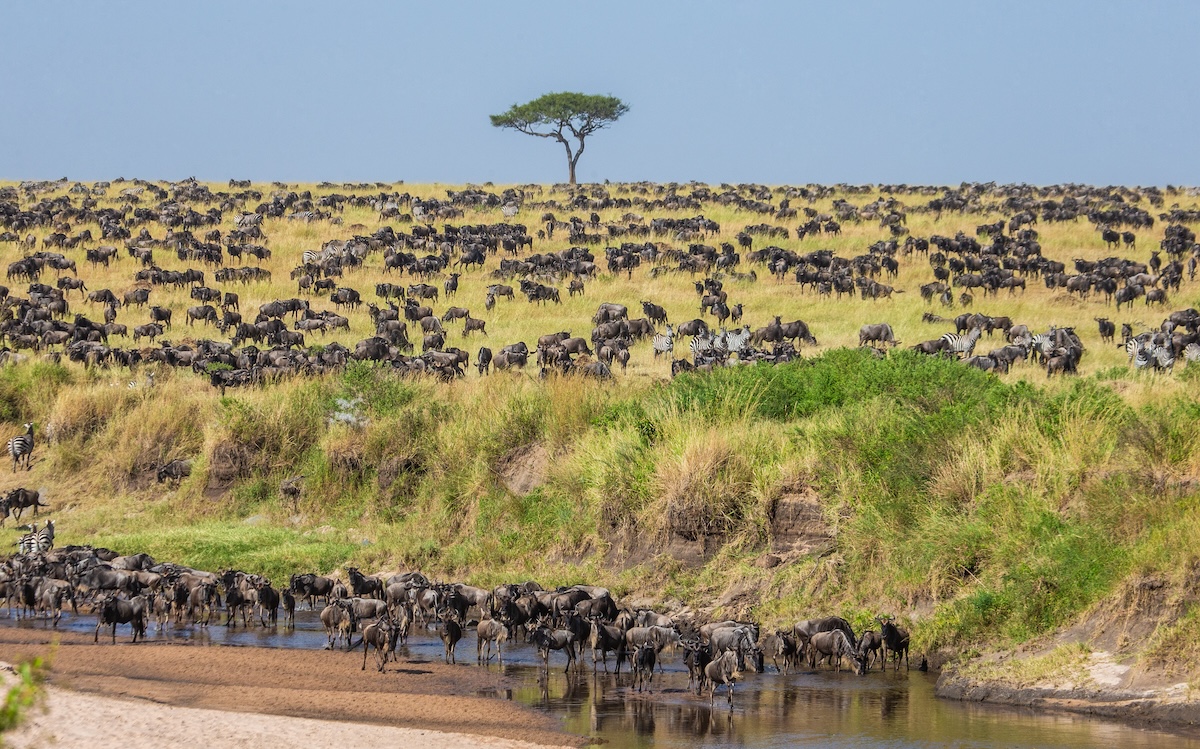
pixel 563 116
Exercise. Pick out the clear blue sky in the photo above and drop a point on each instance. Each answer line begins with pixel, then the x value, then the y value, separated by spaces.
pixel 920 92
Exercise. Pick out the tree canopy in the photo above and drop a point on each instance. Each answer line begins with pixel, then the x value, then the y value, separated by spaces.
pixel 561 115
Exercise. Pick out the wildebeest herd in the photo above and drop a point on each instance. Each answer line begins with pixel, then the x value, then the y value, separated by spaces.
pixel 190 274
pixel 379 613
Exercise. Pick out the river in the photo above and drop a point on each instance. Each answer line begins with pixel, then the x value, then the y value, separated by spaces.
pixel 880 710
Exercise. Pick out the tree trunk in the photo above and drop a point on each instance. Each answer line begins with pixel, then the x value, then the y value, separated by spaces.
pixel 571 158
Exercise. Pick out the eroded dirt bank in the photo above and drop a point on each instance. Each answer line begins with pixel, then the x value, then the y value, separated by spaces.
pixel 1095 685
pixel 318 685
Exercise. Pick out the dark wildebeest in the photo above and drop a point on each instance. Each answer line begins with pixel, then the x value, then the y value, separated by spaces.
pixel 895 642
pixel 160 315
pixel 175 471
pixel 451 633
pixel 1108 329
pixel 114 611
pixel 878 333
pixel 17 500
pixel 310 587
pixel 643 666
pixel 484 360
pixel 654 312
pixel 546 639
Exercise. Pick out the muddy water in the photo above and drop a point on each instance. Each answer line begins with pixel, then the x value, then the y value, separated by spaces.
pixel 769 710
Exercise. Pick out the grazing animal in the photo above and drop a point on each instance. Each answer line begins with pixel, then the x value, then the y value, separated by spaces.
pixel 451 633
pixel 21 448
pixel 113 611
pixel 490 631
pixel 722 670
pixel 37 540
pixel 17 500
pixel 643 666
pixel 175 471
pixel 378 634
pixel 895 642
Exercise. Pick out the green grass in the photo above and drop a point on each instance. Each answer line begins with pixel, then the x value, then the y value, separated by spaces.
pixel 25 694
pixel 1001 509
pixel 985 510
pixel 272 551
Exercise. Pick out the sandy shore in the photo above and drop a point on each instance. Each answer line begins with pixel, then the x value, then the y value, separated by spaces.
pixel 178 695
pixel 134 724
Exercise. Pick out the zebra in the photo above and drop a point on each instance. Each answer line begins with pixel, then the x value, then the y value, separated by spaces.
pixel 21 448
pixel 1192 352
pixel 1133 347
pixel 962 345
pixel 701 345
pixel 1164 358
pixel 664 343
pixel 736 340
pixel 37 541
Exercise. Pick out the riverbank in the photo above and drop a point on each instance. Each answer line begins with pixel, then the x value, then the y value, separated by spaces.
pixel 310 694
pixel 1076 679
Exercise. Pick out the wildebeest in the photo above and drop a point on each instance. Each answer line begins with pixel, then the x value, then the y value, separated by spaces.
pixel 113 611
pixel 877 333
pixel 17 500
pixel 378 634
pixel 722 670
pixel 895 642
pixel 451 633
pixel 643 667
pixel 490 631
pixel 546 639
pixel 175 471
pixel 338 619
pixel 311 587
pixel 833 646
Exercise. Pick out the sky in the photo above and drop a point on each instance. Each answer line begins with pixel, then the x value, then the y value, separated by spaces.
pixel 1042 92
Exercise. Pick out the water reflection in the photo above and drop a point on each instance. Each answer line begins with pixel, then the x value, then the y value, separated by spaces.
pixel 770 710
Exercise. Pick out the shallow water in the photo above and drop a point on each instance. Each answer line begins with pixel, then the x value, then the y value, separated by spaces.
pixel 892 710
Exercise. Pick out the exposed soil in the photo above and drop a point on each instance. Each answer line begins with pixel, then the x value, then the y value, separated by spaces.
pixel 1099 697
pixel 321 685
pixel 798 524
pixel 524 469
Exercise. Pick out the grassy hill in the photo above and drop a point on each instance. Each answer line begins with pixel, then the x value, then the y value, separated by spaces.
pixel 987 511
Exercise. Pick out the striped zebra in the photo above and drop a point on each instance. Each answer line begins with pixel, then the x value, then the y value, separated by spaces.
pixel 1133 347
pixel 21 448
pixel 664 343
pixel 1192 352
pixel 37 541
pixel 701 345
pixel 731 342
pixel 1164 358
pixel 962 345
pixel 310 257
pixel 737 340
